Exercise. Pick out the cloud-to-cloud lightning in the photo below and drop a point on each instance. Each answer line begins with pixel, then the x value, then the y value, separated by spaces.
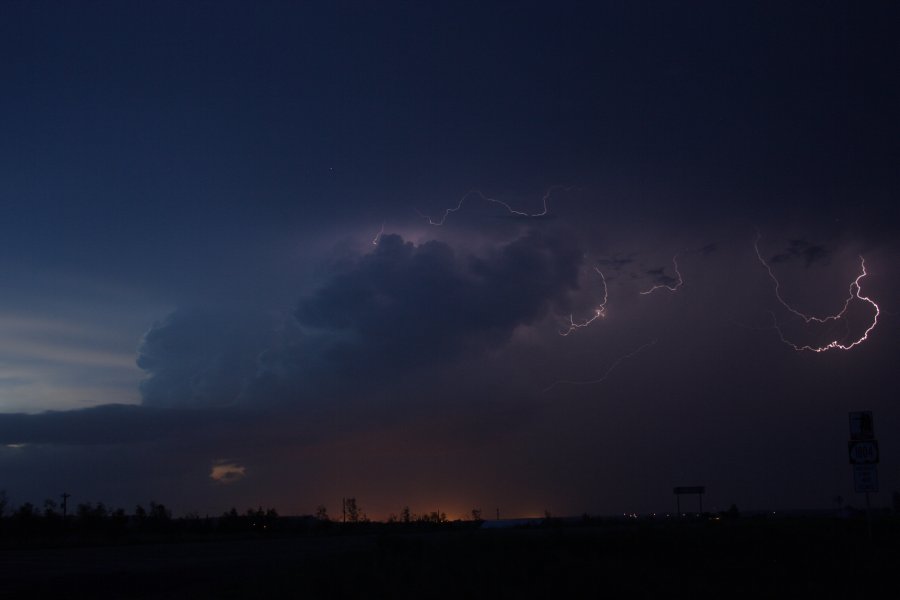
pixel 678 282
pixel 612 367
pixel 854 293
pixel 545 201
pixel 599 310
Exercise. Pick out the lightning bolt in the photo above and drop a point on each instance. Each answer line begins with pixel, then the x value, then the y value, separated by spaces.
pixel 378 236
pixel 612 367
pixel 671 288
pixel 599 311
pixel 545 200
pixel 854 293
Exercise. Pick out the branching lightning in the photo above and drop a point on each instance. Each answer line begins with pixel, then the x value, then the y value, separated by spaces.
pixel 672 288
pixel 854 293
pixel 599 310
pixel 612 367
pixel 518 213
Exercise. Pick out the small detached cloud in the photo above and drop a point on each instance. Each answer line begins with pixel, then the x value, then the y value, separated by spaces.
pixel 227 472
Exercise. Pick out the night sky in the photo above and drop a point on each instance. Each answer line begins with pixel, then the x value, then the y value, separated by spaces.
pixel 222 284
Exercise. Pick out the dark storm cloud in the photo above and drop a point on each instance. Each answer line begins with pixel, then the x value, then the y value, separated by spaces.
pixel 106 424
pixel 405 304
pixel 616 262
pixel 399 306
pixel 381 313
pixel 708 249
pixel 246 137
pixel 658 276
pixel 803 250
pixel 201 358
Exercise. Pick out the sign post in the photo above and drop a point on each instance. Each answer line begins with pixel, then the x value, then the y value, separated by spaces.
pixel 695 489
pixel 865 478
pixel 863 451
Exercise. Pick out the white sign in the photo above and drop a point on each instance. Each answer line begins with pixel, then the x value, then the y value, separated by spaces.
pixel 863 453
pixel 865 478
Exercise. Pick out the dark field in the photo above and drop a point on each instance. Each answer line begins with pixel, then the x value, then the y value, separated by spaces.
pixel 823 558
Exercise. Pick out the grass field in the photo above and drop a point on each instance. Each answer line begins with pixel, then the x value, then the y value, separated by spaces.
pixel 800 557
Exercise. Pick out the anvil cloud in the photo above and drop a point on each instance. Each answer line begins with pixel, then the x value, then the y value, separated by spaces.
pixel 191 294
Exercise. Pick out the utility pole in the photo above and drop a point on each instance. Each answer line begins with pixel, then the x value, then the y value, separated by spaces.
pixel 65 497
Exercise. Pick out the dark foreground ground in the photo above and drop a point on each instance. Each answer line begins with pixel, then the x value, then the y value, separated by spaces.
pixel 820 558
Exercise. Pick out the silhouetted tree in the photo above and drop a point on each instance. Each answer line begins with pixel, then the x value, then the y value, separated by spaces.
pixel 118 519
pixel 192 522
pixel 159 513
pixel 405 515
pixel 476 514
pixel 159 517
pixel 352 510
pixel 322 513
pixel 91 514
pixel 230 521
pixel 433 517
pixel 24 517
pixel 262 519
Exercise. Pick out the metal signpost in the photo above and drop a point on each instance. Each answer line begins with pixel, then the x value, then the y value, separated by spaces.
pixel 865 478
pixel 695 489
pixel 863 451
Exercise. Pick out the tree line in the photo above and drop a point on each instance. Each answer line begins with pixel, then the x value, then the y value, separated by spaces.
pixel 88 519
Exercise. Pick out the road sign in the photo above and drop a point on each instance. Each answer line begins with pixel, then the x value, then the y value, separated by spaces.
pixel 862 425
pixel 863 453
pixel 865 478
pixel 688 489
